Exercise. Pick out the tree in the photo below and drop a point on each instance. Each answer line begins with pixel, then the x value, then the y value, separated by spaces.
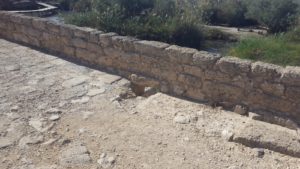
pixel 277 15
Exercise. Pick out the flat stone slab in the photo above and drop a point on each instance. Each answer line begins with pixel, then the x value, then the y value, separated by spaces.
pixel 74 82
pixel 5 142
pixel 263 135
pixel 108 78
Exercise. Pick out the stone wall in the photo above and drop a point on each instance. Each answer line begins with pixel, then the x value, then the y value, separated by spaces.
pixel 175 70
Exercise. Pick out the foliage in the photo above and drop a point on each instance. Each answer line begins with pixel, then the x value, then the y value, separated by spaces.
pixel 278 49
pixel 145 19
pixel 230 12
pixel 277 15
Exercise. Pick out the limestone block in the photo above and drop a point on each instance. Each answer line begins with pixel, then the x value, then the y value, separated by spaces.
pixel 223 92
pixel 79 43
pixel 273 88
pixel 2 24
pixel 86 55
pixel 263 135
pixel 51 42
pixel 151 48
pixel 81 53
pixel 94 36
pixel 34 41
pixel 259 100
pixel 39 23
pixel 266 71
pixel 182 55
pixel 69 51
pixel 178 90
pixel 125 43
pixel 53 27
pixel 291 76
pixel 105 39
pixel 190 80
pixel 193 70
pixel 10 27
pixel 233 66
pixel 205 59
pixel 143 81
pixel 93 47
pixel 211 74
pixel 195 93
pixel 67 30
pixel 4 16
pixel 16 18
pixel 26 20
pixel 83 32
pixel 33 32
pixel 21 38
pixel 293 93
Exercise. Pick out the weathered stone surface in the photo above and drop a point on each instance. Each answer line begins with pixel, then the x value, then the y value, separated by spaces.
pixel 94 36
pixel 93 47
pixel 205 59
pixel 83 32
pixel 242 110
pixel 194 70
pixel 105 39
pixel 69 51
pixel 53 27
pixel 180 55
pixel 273 88
pixel 94 92
pixel 79 43
pixel 293 93
pixel 125 43
pixel 143 81
pixel 195 93
pixel 233 66
pixel 191 80
pixel 268 136
pixel 75 155
pixel 5 142
pixel 151 48
pixel 67 30
pixel 291 76
pixel 74 82
pixel 30 139
pixel 274 119
pixel 266 71
pixel 38 23
pixel 181 119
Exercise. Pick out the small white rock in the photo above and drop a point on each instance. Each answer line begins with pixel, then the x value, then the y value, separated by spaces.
pixel 54 117
pixel 53 111
pixel 181 119
pixel 14 109
pixel 227 135
pixel 82 100
pixel 87 114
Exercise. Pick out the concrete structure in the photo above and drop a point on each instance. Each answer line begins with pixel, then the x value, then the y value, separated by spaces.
pixel 175 70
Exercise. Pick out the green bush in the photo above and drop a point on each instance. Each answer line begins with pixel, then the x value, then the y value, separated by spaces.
pixel 277 49
pixel 229 12
pixel 188 34
pixel 277 15
pixel 82 19
pixel 144 19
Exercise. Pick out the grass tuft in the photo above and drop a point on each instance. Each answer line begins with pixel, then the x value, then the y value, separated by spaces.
pixel 281 49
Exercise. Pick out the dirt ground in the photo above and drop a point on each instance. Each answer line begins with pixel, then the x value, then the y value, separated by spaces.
pixel 55 114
